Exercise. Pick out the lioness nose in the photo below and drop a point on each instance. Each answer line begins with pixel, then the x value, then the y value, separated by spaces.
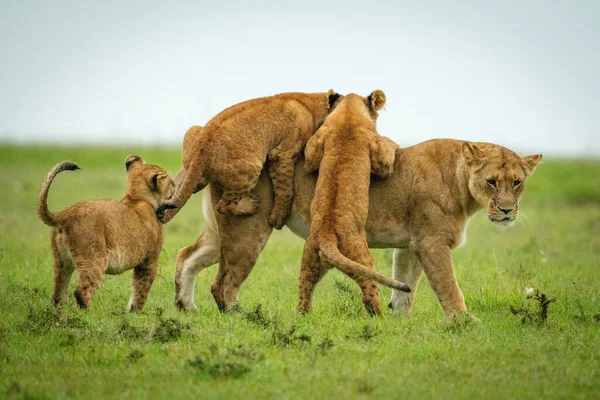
pixel 506 210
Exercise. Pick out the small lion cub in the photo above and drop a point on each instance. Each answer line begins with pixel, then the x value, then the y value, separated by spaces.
pixel 108 237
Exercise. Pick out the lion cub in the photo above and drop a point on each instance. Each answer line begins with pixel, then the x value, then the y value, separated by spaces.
pixel 108 237
pixel 232 148
pixel 346 150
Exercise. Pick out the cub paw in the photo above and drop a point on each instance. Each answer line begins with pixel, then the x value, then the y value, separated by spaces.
pixel 239 206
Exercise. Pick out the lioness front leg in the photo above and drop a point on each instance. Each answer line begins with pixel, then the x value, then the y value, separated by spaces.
pixel 437 264
pixel 142 278
pixel 408 269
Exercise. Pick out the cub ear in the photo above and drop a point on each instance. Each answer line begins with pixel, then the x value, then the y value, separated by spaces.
pixel 132 159
pixel 473 154
pixel 332 95
pixel 376 100
pixel 530 162
pixel 155 182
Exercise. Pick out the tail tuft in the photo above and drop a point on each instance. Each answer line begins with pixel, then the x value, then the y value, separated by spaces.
pixel 70 166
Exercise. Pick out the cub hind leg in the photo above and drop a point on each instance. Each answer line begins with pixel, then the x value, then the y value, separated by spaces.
pixel 282 163
pixel 91 271
pixel 63 270
pixel 312 271
pixel 369 288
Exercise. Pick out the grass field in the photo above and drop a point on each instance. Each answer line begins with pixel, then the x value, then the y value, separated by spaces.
pixel 268 351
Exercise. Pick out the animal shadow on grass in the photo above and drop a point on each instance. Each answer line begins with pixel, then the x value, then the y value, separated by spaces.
pixel 536 318
pixel 230 363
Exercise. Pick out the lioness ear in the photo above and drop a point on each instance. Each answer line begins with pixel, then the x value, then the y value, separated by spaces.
pixel 472 153
pixel 376 100
pixel 332 96
pixel 530 162
pixel 132 159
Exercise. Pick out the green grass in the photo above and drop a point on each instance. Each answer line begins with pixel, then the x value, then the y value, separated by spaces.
pixel 268 351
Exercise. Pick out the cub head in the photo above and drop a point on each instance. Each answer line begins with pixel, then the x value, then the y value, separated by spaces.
pixel 147 182
pixel 497 179
pixel 333 98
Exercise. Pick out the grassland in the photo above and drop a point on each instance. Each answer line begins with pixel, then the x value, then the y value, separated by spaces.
pixel 268 351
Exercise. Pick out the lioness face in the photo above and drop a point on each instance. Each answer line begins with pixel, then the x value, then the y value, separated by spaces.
pixel 497 179
pixel 148 181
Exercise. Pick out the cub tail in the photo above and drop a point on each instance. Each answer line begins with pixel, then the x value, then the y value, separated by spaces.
pixel 47 217
pixel 352 268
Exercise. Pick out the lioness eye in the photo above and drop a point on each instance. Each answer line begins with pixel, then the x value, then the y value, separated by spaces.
pixel 491 182
pixel 516 182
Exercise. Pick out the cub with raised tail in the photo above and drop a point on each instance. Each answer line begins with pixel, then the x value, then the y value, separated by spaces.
pixel 346 150
pixel 106 236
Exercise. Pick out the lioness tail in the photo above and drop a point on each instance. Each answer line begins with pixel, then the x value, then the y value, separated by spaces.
pixel 47 217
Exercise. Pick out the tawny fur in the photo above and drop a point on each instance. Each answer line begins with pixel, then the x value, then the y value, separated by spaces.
pixel 421 210
pixel 232 148
pixel 108 237
pixel 346 150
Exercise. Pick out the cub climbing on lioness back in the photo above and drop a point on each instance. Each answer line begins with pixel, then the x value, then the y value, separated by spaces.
pixel 108 237
pixel 232 148
pixel 346 150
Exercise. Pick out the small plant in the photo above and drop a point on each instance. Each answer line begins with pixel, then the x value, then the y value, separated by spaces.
pixel 41 320
pixel 528 316
pixel 128 331
pixel 258 317
pixel 232 363
pixel 288 337
pixel 168 329
pixel 135 355
pixel 324 346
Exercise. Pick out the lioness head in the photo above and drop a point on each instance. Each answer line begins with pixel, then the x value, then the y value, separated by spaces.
pixel 150 183
pixel 497 179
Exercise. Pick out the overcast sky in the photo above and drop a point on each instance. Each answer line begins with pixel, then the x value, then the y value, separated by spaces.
pixel 523 74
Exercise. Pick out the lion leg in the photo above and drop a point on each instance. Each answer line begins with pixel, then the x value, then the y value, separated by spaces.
pixel 90 277
pixel 141 280
pixel 407 269
pixel 281 171
pixel 311 272
pixel 437 264
pixel 63 270
pixel 234 268
pixel 190 261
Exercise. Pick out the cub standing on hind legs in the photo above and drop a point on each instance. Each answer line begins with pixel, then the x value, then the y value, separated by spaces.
pixel 106 236
pixel 232 148
pixel 346 150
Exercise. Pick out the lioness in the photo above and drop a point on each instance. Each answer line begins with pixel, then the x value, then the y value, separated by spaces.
pixel 421 210
pixel 231 149
pixel 106 236
pixel 346 150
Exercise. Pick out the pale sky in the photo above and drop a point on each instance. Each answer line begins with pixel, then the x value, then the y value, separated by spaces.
pixel 518 73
